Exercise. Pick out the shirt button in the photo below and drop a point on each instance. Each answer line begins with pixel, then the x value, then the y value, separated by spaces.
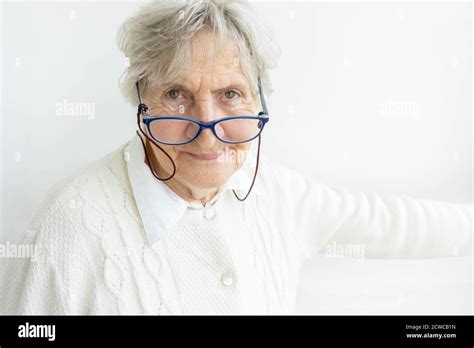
pixel 227 279
pixel 209 213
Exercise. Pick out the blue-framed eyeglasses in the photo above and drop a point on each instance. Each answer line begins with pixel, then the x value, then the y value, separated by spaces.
pixel 180 130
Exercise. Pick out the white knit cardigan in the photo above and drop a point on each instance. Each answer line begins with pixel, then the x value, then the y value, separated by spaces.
pixel 93 256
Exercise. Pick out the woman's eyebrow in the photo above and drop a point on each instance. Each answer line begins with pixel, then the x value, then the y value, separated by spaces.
pixel 175 85
pixel 239 86
pixel 232 85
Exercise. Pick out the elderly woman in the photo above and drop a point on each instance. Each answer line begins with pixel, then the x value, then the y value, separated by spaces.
pixel 187 217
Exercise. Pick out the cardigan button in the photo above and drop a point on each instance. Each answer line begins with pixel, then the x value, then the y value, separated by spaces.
pixel 227 279
pixel 209 213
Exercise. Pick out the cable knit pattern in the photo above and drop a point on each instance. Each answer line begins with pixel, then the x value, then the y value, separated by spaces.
pixel 93 256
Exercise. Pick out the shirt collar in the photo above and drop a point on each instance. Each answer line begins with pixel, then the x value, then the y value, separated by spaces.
pixel 160 208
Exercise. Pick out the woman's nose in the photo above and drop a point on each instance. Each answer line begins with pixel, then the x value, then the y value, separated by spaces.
pixel 206 139
pixel 205 111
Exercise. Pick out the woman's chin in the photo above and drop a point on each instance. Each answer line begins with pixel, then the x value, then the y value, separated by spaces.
pixel 207 177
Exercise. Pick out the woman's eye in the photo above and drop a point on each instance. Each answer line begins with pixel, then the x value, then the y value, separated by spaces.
pixel 173 94
pixel 230 94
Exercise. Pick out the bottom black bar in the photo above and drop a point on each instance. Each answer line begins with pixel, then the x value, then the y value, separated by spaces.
pixel 453 331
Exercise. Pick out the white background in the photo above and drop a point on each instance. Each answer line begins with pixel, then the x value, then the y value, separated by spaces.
pixel 370 96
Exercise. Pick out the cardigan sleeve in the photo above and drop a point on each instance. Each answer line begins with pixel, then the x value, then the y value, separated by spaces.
pixel 380 225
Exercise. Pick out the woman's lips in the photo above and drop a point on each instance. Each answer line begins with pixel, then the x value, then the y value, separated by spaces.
pixel 205 157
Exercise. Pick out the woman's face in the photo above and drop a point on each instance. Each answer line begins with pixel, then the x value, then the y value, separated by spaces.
pixel 213 87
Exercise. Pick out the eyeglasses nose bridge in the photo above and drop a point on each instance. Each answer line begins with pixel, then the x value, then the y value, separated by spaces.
pixel 209 124
pixel 203 125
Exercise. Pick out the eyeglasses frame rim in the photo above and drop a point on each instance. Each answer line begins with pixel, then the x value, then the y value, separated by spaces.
pixel 147 120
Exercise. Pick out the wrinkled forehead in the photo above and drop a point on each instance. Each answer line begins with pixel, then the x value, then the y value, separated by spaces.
pixel 209 63
pixel 205 47
pixel 213 60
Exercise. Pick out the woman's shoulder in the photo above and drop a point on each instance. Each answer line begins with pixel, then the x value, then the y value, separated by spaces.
pixel 81 201
pixel 276 173
pixel 284 183
pixel 84 179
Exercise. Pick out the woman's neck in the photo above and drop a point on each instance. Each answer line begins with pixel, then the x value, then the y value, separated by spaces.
pixel 192 194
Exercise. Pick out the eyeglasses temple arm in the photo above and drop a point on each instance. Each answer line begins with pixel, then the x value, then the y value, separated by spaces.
pixel 262 97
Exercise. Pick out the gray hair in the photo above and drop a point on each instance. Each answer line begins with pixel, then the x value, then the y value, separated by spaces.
pixel 156 41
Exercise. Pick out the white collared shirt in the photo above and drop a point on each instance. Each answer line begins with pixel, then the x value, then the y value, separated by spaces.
pixel 160 207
